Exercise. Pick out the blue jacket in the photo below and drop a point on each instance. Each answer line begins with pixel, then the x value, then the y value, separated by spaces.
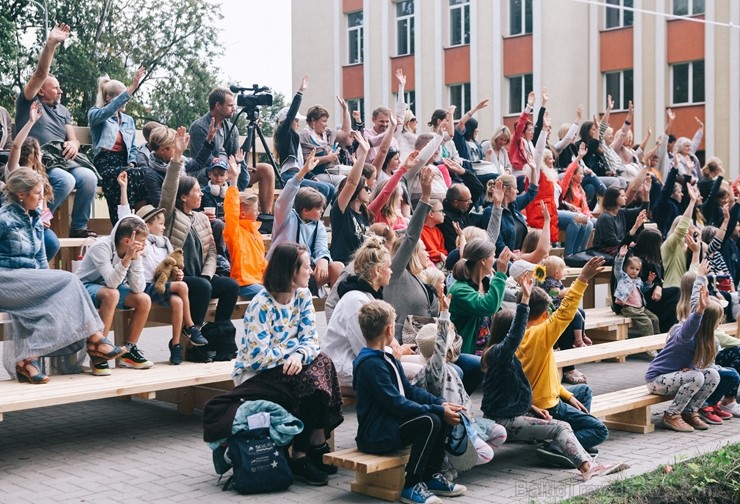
pixel 625 283
pixel 21 239
pixel 507 234
pixel 381 408
pixel 104 127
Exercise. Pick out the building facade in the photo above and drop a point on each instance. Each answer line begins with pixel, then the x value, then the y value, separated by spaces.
pixel 681 54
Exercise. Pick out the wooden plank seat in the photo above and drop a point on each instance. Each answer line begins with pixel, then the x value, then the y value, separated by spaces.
pixel 619 348
pixel 627 410
pixel 602 325
pixel 603 277
pixel 379 476
pixel 176 384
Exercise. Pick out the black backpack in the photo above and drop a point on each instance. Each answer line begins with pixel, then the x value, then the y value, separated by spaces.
pixel 259 464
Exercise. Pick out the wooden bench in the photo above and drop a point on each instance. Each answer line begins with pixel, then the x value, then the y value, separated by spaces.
pixel 604 277
pixel 603 325
pixel 379 476
pixel 627 410
pixel 188 386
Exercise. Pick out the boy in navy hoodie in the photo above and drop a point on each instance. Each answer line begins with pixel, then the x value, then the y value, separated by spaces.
pixel 392 413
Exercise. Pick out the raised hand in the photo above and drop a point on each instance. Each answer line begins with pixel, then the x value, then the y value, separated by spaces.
pixel 122 179
pixel 498 193
pixel 304 83
pixel 670 114
pixel 698 121
pixel 136 81
pixel 182 139
pixel 609 102
pixel 342 103
pixel 545 212
pixel 530 99
pixel 591 269
pixel 212 130
pixel 545 96
pixel 502 264
pixel 579 113
pixel 59 33
pixel 36 112
pixel 526 281
pixel 623 251
pixel 704 268
pixel 411 160
pixel 481 104
pixel 400 77
pixel 362 144
pixel 703 300
pixel 426 176
pixel 453 166
pixel 357 116
pixel 239 156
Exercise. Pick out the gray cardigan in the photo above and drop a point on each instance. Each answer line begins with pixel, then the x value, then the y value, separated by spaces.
pixel 406 292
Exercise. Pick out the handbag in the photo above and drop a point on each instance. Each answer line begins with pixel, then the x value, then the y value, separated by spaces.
pixel 83 250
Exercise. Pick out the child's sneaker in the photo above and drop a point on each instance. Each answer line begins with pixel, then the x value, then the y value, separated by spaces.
pixel 439 485
pixel 175 353
pixel 419 494
pixel 135 359
pixel 100 368
pixel 194 335
pixel 732 408
pixel 717 410
pixel 708 415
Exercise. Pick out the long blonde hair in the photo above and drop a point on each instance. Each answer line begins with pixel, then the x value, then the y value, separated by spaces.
pixel 706 347
pixel 108 87
pixel 683 309
pixel 391 211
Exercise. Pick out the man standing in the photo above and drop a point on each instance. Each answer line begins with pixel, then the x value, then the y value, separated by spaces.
pixel 226 143
pixel 55 125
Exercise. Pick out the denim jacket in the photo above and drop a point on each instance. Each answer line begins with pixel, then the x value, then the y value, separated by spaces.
pixel 21 239
pixel 626 284
pixel 507 234
pixel 104 127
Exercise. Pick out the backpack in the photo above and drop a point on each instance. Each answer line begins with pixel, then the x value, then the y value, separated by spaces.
pixel 259 464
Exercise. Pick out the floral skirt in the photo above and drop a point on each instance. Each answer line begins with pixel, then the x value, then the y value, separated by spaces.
pixel 110 164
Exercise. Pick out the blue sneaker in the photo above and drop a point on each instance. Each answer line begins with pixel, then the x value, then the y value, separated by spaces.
pixel 439 485
pixel 194 335
pixel 418 494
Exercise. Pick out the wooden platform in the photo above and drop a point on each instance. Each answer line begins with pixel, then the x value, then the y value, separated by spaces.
pixel 627 410
pixel 379 476
pixel 175 384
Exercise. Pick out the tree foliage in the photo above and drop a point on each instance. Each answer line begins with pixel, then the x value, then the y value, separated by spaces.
pixel 170 39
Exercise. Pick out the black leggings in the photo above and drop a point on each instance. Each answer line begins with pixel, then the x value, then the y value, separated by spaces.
pixel 201 291
pixel 426 435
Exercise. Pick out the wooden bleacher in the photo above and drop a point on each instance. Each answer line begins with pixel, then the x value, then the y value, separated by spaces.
pixel 379 476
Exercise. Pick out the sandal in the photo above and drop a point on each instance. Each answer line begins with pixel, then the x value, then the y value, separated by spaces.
pixel 93 349
pixel 574 377
pixel 23 372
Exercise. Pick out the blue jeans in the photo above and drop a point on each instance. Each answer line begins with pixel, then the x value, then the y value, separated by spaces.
pixel 472 373
pixel 85 181
pixel 51 244
pixel 588 429
pixel 729 379
pixel 576 235
pixel 593 185
pixel 328 190
pixel 249 291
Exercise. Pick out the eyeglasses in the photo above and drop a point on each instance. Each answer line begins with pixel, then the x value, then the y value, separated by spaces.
pixel 441 210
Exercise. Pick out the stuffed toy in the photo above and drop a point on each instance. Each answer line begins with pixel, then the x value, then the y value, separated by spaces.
pixel 167 270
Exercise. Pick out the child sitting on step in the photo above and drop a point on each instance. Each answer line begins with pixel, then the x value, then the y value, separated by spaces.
pixel 629 292
pixel 392 413
pixel 156 248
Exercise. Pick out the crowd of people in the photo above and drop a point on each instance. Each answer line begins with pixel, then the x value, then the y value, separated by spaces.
pixel 428 272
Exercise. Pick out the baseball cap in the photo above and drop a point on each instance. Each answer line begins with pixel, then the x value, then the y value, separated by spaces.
pixel 283 115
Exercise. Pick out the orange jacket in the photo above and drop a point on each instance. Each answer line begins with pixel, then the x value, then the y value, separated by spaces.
pixel 244 241
pixel 434 241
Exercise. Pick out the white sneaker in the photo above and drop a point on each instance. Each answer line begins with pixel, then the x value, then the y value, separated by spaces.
pixel 733 408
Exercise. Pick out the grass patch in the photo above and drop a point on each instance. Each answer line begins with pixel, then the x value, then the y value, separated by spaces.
pixel 708 479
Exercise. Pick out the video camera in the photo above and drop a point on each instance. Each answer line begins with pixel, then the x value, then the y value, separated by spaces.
pixel 261 96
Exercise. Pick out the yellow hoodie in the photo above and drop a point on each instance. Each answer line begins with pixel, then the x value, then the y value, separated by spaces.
pixel 536 354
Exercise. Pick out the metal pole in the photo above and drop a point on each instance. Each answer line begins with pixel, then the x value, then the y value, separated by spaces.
pixel 46 14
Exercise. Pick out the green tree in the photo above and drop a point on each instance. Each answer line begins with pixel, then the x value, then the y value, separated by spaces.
pixel 183 98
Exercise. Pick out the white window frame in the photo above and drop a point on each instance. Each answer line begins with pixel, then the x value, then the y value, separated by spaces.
pixel 691 10
pixel 526 8
pixel 463 106
pixel 409 31
pixel 617 5
pixel 464 7
pixel 356 34
pixel 523 78
pixel 690 84
pixel 623 100
pixel 356 104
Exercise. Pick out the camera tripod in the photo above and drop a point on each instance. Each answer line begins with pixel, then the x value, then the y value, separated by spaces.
pixel 250 146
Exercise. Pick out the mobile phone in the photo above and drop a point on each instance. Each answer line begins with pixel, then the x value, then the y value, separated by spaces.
pixel 46 215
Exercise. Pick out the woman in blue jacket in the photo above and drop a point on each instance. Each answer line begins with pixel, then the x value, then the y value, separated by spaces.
pixel 513 223
pixel 114 141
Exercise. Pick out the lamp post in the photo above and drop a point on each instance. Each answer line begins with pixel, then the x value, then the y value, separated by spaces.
pixel 46 14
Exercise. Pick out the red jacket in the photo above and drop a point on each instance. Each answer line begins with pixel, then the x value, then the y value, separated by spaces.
pixel 434 241
pixel 517 153
pixel 535 218
pixel 578 195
